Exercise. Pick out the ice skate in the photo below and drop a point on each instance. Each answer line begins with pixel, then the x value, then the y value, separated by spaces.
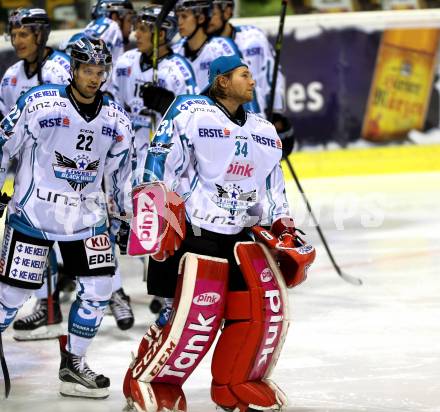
pixel 121 309
pixel 35 326
pixel 77 379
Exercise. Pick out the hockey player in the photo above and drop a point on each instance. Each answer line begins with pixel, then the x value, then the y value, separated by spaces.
pixel 112 22
pixel 66 138
pixel 258 54
pixel 216 176
pixel 29 30
pixel 193 19
pixel 133 76
pixel 132 84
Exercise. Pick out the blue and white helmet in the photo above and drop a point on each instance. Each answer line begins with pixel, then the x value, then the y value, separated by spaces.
pixel 36 19
pixel 149 14
pixel 90 51
pixel 105 8
pixel 196 6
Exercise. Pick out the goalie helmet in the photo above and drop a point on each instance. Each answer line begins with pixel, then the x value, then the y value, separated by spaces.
pixel 36 19
pixel 149 14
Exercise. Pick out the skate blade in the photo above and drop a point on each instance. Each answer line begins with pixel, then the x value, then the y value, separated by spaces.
pixel 76 390
pixel 41 333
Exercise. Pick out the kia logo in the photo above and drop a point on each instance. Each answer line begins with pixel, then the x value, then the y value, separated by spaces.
pixel 100 242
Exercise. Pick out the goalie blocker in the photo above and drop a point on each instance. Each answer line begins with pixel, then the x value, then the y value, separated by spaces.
pixel 256 323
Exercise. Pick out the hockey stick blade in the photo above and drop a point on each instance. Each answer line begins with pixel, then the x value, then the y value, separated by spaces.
pixel 350 279
pixel 4 369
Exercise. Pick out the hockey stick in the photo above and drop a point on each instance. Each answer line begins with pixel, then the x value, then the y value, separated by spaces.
pixel 50 308
pixel 348 278
pixel 166 8
pixel 4 369
pixel 278 45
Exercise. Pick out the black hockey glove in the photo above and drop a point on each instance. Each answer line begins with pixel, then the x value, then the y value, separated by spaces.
pixel 156 98
pixel 285 132
pixel 121 230
pixel 4 200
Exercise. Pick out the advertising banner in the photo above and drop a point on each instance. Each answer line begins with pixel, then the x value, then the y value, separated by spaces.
pixel 402 83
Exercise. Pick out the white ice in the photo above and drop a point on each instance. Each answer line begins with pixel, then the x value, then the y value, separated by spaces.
pixel 372 348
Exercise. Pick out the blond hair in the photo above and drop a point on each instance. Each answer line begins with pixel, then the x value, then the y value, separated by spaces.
pixel 217 91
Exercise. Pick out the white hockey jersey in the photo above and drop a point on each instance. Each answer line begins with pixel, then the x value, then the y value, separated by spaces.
pixel 213 48
pixel 129 74
pixel 55 69
pixel 61 162
pixel 259 55
pixel 229 174
pixel 109 31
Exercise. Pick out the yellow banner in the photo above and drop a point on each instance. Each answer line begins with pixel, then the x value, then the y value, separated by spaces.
pixel 402 83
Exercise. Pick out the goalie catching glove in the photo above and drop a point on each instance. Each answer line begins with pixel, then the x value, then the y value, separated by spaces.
pixel 158 225
pixel 293 255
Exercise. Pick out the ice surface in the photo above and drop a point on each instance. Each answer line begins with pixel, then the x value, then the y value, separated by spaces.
pixel 372 348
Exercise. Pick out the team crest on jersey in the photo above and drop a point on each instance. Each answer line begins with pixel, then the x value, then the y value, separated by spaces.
pixel 78 172
pixel 158 148
pixel 232 198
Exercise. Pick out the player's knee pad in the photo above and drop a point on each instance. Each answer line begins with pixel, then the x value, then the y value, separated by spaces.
pixel 86 313
pixel 168 355
pixel 251 341
pixel 11 300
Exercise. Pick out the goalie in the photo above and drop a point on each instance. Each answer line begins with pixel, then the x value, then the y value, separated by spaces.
pixel 212 179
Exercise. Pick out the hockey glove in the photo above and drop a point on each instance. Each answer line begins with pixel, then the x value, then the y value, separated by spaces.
pixel 120 229
pixel 4 200
pixel 293 255
pixel 285 132
pixel 156 98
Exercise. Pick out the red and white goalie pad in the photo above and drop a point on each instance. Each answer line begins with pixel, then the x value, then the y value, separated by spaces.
pixel 254 333
pixel 167 356
pixel 158 224
pixel 292 254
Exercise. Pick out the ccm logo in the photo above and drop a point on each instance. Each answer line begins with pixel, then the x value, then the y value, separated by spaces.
pixel 266 275
pixel 100 242
pixel 206 299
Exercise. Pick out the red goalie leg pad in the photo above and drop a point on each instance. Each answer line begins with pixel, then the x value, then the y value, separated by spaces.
pixel 168 355
pixel 250 344
pixel 156 397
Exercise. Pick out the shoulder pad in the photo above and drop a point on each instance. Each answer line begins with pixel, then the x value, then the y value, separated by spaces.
pixel 228 45
pixel 43 91
pixel 184 102
pixel 183 65
pixel 108 101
